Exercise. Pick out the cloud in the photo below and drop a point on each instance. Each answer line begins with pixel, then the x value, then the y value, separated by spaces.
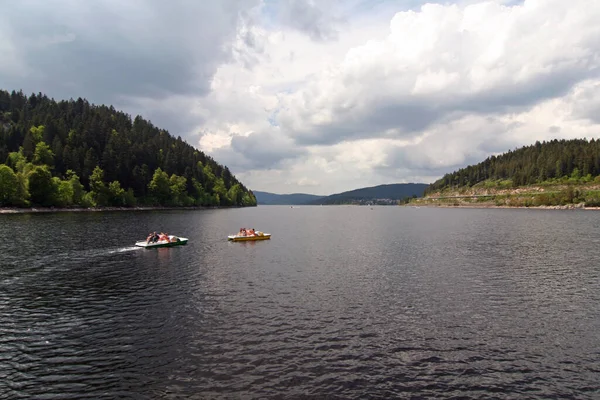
pixel 323 96
pixel 444 87
pixel 105 49
pixel 307 17
pixel 444 61
pixel 586 101
pixel 319 20
pixel 304 181
pixel 471 139
pixel 179 113
pixel 258 150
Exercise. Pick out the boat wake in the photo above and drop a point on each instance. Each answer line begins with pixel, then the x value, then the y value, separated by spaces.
pixel 125 249
pixel 43 263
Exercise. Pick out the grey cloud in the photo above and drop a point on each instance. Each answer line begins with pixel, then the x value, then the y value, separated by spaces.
pixel 405 116
pixel 111 49
pixel 496 143
pixel 173 115
pixel 413 161
pixel 519 96
pixel 308 16
pixel 586 102
pixel 259 150
pixel 412 175
pixel 385 118
pixel 250 44
pixel 382 97
pixel 440 153
pixel 554 129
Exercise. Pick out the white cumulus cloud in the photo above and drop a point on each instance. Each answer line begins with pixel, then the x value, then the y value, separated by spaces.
pixel 323 96
pixel 446 86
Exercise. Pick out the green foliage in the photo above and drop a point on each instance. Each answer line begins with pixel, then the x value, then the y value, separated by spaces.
pixel 42 187
pixel 29 146
pixel 77 187
pixel 17 160
pixel 81 137
pixel 37 132
pixel 22 198
pixel 592 198
pixel 160 187
pixel 248 199
pixel 235 194
pixel 8 186
pixel 64 196
pixel 209 178
pixel 116 194
pixel 88 200
pixel 98 190
pixel 177 188
pixel 219 190
pixel 555 162
pixel 43 155
pixel 497 183
pixel 543 199
pixel 129 199
pixel 198 192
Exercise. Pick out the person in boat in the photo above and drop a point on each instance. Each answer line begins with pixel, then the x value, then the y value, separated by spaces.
pixel 152 238
pixel 251 232
pixel 163 237
pixel 242 232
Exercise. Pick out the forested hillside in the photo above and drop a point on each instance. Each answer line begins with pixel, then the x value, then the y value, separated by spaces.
pixel 381 194
pixel 554 162
pixel 73 153
pixel 266 198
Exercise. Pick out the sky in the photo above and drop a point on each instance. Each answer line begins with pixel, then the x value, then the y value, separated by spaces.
pixel 321 96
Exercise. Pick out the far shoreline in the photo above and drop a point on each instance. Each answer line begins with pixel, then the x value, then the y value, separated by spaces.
pixel 570 207
pixel 36 210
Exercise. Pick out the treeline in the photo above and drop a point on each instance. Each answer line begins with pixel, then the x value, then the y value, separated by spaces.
pixel 72 153
pixel 381 194
pixel 556 161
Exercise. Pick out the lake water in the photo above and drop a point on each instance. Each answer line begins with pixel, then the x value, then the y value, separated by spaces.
pixel 343 302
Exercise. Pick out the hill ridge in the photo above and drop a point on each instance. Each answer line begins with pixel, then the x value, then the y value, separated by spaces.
pixel 390 193
pixel 556 173
pixel 73 153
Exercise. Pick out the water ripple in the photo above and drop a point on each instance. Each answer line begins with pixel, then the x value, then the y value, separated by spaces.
pixel 425 304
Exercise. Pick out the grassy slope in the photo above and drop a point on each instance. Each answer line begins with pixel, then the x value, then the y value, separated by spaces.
pixel 561 193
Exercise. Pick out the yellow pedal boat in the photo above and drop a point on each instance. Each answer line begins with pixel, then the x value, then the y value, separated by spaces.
pixel 256 236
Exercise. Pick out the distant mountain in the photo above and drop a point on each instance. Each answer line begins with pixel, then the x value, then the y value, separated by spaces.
pixel 382 194
pixel 266 198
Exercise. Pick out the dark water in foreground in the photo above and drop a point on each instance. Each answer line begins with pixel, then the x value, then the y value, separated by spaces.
pixel 343 302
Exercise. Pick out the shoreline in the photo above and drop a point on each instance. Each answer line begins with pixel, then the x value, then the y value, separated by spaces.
pixel 570 207
pixel 34 210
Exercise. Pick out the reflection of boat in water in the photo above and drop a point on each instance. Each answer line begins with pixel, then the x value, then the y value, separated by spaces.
pixel 173 241
pixel 256 236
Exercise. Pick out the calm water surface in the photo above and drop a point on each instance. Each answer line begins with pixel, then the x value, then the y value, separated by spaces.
pixel 343 302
